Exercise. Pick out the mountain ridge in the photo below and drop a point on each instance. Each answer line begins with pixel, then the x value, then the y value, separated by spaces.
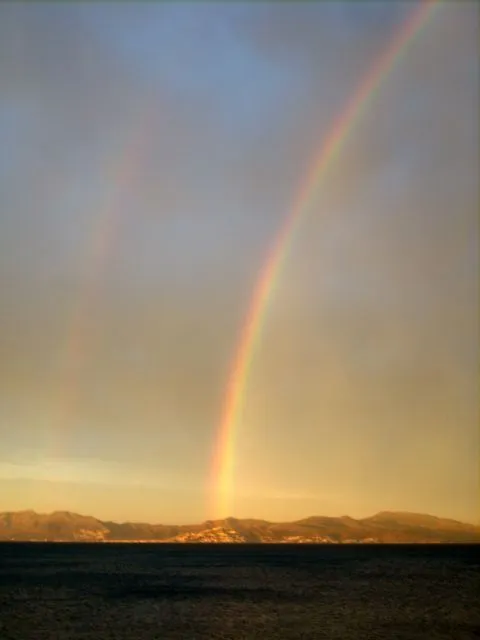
pixel 382 527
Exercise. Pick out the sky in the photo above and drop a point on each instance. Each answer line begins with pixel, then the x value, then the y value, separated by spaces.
pixel 149 154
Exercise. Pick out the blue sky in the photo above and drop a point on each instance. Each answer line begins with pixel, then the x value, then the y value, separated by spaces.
pixel 189 127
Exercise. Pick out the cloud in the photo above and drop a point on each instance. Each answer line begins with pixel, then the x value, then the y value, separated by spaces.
pixel 83 470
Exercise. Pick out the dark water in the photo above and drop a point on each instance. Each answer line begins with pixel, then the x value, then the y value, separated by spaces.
pixel 95 592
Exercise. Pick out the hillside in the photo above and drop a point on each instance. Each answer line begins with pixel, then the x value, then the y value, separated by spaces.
pixel 384 527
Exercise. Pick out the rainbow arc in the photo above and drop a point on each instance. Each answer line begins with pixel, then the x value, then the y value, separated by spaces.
pixel 221 482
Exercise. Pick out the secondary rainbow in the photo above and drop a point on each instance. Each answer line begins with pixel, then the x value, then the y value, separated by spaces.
pixel 78 343
pixel 221 482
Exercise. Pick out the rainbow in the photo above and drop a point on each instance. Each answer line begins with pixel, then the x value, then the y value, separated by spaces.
pixel 77 344
pixel 222 477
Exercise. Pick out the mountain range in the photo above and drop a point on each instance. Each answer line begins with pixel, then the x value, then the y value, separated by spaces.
pixel 384 527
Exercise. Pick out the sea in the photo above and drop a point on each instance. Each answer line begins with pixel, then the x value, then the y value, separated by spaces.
pixel 64 591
